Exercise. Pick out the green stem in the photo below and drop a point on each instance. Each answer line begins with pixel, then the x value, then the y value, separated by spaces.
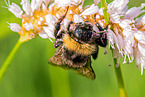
pixel 9 59
pixel 106 15
pixel 121 86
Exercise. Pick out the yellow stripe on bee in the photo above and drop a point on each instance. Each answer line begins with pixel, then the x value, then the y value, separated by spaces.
pixel 72 45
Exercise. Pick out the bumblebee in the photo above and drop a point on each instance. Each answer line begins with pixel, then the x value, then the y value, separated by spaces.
pixel 77 45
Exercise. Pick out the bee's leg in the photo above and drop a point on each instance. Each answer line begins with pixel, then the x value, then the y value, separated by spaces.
pixel 58 24
pixel 68 27
pixel 99 26
pixel 57 27
pixel 102 39
pixel 58 42
pixel 95 55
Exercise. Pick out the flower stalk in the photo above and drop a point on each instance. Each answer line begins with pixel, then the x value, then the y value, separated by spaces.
pixel 118 73
pixel 9 59
pixel 121 86
pixel 106 14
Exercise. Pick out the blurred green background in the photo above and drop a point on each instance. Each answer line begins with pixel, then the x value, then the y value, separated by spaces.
pixel 30 75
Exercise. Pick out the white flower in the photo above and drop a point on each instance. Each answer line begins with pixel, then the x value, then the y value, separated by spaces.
pixel 64 3
pixel 143 20
pixel 112 39
pixel 15 27
pixel 35 4
pixel 50 19
pixel 51 6
pixel 126 24
pixel 142 5
pixel 132 13
pixel 43 34
pixel 128 38
pixel 26 6
pixel 140 37
pixel 115 17
pixel 90 10
pixel 101 11
pixel 141 57
pixel 15 9
pixel 76 2
pixel 49 31
pixel 28 26
pixel 77 18
pixel 116 9
pixel 117 5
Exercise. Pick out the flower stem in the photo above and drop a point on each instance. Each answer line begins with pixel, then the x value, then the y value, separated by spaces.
pixel 106 15
pixel 9 59
pixel 121 86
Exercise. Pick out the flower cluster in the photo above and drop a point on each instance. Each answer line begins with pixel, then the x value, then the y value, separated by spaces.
pixel 125 33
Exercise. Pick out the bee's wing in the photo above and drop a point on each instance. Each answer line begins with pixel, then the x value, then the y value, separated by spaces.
pixel 87 70
pixel 59 60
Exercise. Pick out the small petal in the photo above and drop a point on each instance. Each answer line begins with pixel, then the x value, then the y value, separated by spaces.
pixel 42 34
pixel 77 18
pixel 118 5
pixel 63 3
pixel 16 10
pixel 76 2
pixel 115 17
pixel 142 64
pixel 35 4
pixel 133 12
pixel 112 38
pixel 49 31
pixel 120 43
pixel 140 37
pixel 141 48
pixel 15 27
pixel 116 53
pixel 26 6
pixel 125 24
pixel 50 19
pixel 91 10
pixel 51 6
pixel 142 5
pixel 137 56
pixel 143 20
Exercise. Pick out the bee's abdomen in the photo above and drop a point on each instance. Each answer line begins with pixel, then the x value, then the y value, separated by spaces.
pixel 74 57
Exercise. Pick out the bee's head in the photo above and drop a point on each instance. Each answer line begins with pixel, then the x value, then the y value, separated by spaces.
pixel 83 32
